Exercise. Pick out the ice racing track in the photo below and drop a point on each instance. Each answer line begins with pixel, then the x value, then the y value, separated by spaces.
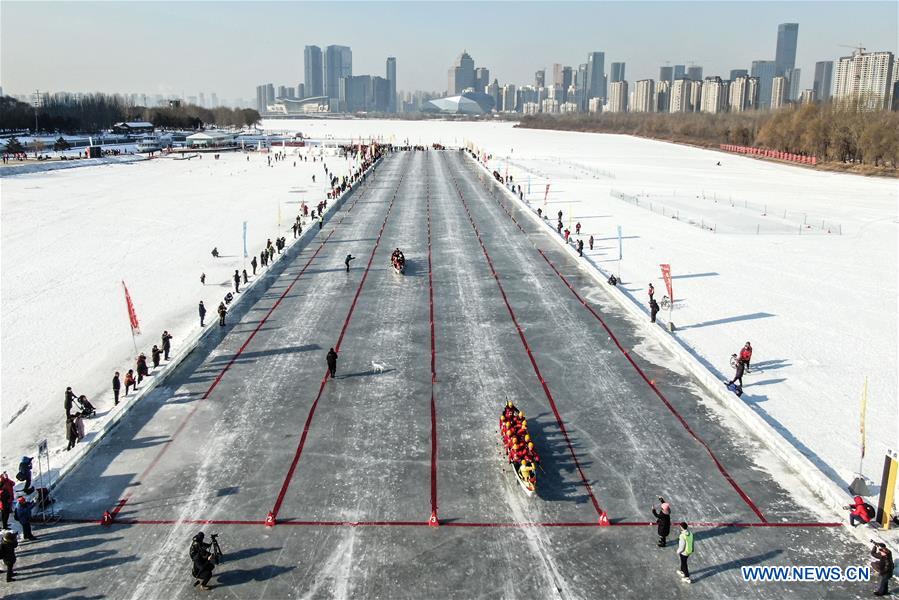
pixel 352 468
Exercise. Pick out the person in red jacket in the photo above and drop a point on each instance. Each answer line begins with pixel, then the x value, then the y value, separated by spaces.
pixel 858 512
pixel 746 355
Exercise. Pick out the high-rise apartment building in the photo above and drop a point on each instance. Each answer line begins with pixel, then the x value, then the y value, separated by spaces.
pixel 301 90
pixel 807 97
pixel 694 72
pixel 596 75
pixel 680 71
pixel 338 64
pixel 714 95
pixel 644 96
pixel 618 96
pixel 743 94
pixel 461 75
pixel 481 79
pixel 540 78
pixel 663 92
pixel 666 73
pixel 616 72
pixel 510 98
pixel 313 76
pixel 864 80
pixel 785 54
pixel 764 70
pixel 391 84
pixel 282 91
pixel 793 77
pixel 779 89
pixel 567 79
pixel 823 82
pixel 679 99
pixel 594 105
pixel 265 95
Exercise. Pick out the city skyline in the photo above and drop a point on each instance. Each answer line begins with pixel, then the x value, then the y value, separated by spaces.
pixel 426 50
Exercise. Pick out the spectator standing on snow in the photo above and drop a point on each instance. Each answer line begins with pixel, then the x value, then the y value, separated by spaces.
pixel 24 474
pixel 142 369
pixel 116 388
pixel 71 432
pixel 577 228
pixel 70 399
pixel 155 355
pixel 684 550
pixel 245 277
pixel 332 363
pixel 746 355
pixel 580 247
pixel 559 227
pixel 166 343
pixel 222 312
pixel 253 264
pixel 6 497
pixel 590 242
pixel 22 514
pixel 884 566
pixel 236 281
pixel 347 260
pixel 129 381
pixel 202 310
pixel 8 553
pixel 203 278
pixel 738 373
pixel 651 291
pixel 663 521
pixel 560 216
pixel 653 309
pixel 567 233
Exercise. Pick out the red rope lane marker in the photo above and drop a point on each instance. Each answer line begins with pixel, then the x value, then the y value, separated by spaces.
pixel 743 495
pixel 661 396
pixel 121 503
pixel 433 520
pixel 321 388
pixel 530 354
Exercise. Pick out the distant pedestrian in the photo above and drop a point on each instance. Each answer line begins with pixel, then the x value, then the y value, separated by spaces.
pixel 567 233
pixel 71 432
pixel 684 550
pixel 653 309
pixel 294 228
pixel 559 227
pixel 70 399
pixel 560 216
pixel 129 381
pixel 253 264
pixel 580 247
pixel 155 356
pixel 236 281
pixel 347 260
pixel 663 521
pixel 116 388
pixel 215 253
pixel 142 369
pixel 203 278
pixel 222 312
pixel 202 310
pixel 6 498
pixel 883 566
pixel 245 277
pixel 166 344
pixel 590 242
pixel 22 514
pixel 738 373
pixel 8 553
pixel 321 223
pixel 651 291
pixel 332 363
pixel 577 228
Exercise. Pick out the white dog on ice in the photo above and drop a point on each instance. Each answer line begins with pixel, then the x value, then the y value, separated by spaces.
pixel 378 367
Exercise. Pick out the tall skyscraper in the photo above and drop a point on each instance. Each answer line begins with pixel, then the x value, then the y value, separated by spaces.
pixel 618 96
pixel 510 98
pixel 540 78
pixel 644 96
pixel 680 71
pixel 265 95
pixel 301 90
pixel 779 89
pixel 694 72
pixel 596 71
pixel 679 100
pixel 666 73
pixel 481 79
pixel 567 79
pixel 764 70
pixel 714 95
pixel 581 85
pixel 734 73
pixel 461 75
pixel 282 91
pixel 823 79
pixel 865 80
pixel 391 84
pixel 743 94
pixel 616 72
pixel 793 77
pixel 338 64
pixel 313 76
pixel 785 55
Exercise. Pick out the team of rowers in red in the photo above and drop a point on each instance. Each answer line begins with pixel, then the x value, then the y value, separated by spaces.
pixel 398 260
pixel 520 451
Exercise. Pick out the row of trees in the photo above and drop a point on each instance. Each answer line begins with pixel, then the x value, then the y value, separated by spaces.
pixel 822 130
pixel 95 112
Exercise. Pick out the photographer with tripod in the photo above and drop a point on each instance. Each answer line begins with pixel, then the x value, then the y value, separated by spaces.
pixel 205 557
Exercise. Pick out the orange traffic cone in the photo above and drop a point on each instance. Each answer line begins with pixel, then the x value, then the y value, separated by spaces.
pixel 433 522
pixel 603 519
pixel 106 521
pixel 270 519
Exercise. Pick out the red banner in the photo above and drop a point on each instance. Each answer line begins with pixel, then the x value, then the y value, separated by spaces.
pixel 132 315
pixel 546 194
pixel 666 275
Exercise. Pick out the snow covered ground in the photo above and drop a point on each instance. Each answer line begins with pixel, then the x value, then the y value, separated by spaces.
pixel 70 237
pixel 820 308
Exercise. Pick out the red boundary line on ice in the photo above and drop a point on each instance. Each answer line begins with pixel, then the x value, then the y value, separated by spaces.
pixel 639 370
pixel 433 369
pixel 530 354
pixel 321 388
pixel 466 524
pixel 121 503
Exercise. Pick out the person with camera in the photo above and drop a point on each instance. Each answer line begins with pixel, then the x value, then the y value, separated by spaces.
pixel 203 561
pixel 663 521
pixel 883 566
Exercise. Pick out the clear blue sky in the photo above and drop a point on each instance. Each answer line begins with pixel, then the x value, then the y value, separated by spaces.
pixel 230 47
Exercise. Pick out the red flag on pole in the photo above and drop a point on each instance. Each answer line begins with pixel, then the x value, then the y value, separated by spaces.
pixel 666 275
pixel 546 194
pixel 132 315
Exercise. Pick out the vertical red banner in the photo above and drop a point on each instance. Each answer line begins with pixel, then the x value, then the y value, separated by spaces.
pixel 666 275
pixel 132 315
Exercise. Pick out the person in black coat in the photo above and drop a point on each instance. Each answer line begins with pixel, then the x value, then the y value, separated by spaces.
pixel 166 343
pixel 24 474
pixel 222 312
pixel 116 387
pixel 738 374
pixel 6 501
pixel 156 355
pixel 202 313
pixel 253 264
pixel 883 566
pixel 347 260
pixel 8 552
pixel 236 281
pixel 332 363
pixel 653 309
pixel 70 399
pixel 663 521
pixel 202 561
